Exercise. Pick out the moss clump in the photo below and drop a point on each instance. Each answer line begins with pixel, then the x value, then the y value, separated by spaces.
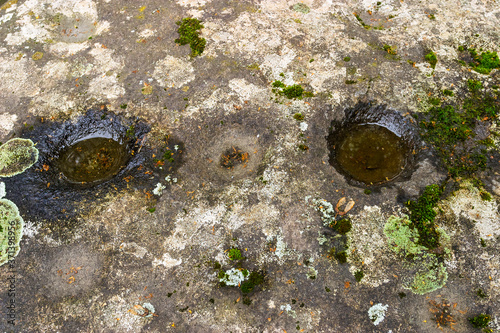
pixel 431 59
pixel 17 155
pixel 347 59
pixel 294 91
pixel 474 85
pixel 448 92
pixel 422 216
pixel 234 254
pixel 450 129
pixel 341 257
pixel 485 62
pixel 303 147
pixel 254 279
pixel 390 49
pixel 298 116
pixel 189 34
pixel 342 226
pixel 358 275
pixel 367 191
pixel 480 321
pixel 434 101
pixel 290 92
pixel 11 230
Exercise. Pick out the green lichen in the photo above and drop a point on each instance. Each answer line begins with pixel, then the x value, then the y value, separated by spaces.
pixel 485 62
pixel 431 59
pixel 189 33
pixel 429 278
pixel 301 8
pixel 17 155
pixel 402 238
pixel 448 92
pixel 11 230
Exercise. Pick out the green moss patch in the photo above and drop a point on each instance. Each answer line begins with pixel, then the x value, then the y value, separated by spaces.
pixel 189 33
pixel 431 59
pixel 290 92
pixel 422 216
pixel 485 62
pixel 450 129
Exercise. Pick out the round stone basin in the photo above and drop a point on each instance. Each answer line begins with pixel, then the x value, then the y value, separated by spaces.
pixel 93 160
pixel 371 153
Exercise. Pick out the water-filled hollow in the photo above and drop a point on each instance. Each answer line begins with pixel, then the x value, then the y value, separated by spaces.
pixel 372 145
pixel 93 160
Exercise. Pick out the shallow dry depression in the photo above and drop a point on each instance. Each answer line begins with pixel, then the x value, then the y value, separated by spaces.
pixel 229 212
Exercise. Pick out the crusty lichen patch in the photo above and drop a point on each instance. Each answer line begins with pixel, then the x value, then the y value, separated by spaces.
pixel 17 155
pixel 467 203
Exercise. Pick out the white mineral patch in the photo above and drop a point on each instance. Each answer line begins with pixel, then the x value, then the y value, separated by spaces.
pixel 134 249
pixel 19 77
pixel 2 190
pixel 7 122
pixel 173 72
pixel 196 227
pixel 5 18
pixel 467 202
pixel 277 64
pixel 104 58
pixel 167 261
pixel 367 246
pixel 64 50
pixel 146 33
pixel 106 87
pixel 193 3
pixel 55 70
pixel 246 90
pixel 303 126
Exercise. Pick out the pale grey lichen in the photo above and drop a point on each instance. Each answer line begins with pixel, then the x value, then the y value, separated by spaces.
pixel 377 313
pixel 325 208
pixel 234 277
pixel 158 190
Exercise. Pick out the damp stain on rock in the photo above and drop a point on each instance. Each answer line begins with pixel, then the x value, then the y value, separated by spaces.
pixel 372 145
pixel 84 163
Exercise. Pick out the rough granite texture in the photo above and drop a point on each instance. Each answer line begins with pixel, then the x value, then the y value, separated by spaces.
pixel 60 58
